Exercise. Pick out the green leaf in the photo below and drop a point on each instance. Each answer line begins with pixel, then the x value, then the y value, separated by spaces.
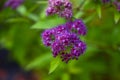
pixel 54 64
pixel 39 62
pixel 22 10
pixel 79 14
pixel 116 16
pixel 33 17
pixel 48 23
pixel 99 10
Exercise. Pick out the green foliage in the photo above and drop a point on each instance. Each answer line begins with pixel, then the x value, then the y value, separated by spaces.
pixel 40 61
pixel 54 64
pixel 116 16
pixel 22 10
pixel 48 23
pixel 98 9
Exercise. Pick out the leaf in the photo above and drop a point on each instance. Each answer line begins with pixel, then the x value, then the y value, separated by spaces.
pixel 54 64
pixel 22 10
pixel 48 23
pixel 79 14
pixel 39 62
pixel 99 10
pixel 116 16
pixel 33 17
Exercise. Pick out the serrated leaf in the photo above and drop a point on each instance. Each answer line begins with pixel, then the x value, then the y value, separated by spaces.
pixel 54 64
pixel 48 23
pixel 99 10
pixel 39 62
pixel 116 16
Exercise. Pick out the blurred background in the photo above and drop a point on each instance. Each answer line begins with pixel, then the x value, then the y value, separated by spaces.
pixel 24 57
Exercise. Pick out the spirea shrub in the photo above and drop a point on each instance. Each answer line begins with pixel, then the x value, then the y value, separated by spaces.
pixel 64 40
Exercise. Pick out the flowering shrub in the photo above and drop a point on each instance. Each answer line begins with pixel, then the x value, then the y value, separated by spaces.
pixel 62 29
pixel 64 39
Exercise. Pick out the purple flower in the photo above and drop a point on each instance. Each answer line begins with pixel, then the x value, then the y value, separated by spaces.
pixel 61 29
pixel 67 38
pixel 67 13
pixel 56 47
pixel 61 7
pixel 75 51
pixel 117 5
pixel 64 41
pixel 78 49
pixel 13 3
pixel 48 36
pixel 50 11
pixel 68 45
pixel 77 27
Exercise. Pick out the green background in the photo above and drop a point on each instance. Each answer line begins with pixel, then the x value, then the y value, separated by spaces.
pixel 20 33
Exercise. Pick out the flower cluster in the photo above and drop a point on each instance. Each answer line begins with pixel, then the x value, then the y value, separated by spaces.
pixel 61 7
pixel 117 4
pixel 64 40
pixel 13 3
